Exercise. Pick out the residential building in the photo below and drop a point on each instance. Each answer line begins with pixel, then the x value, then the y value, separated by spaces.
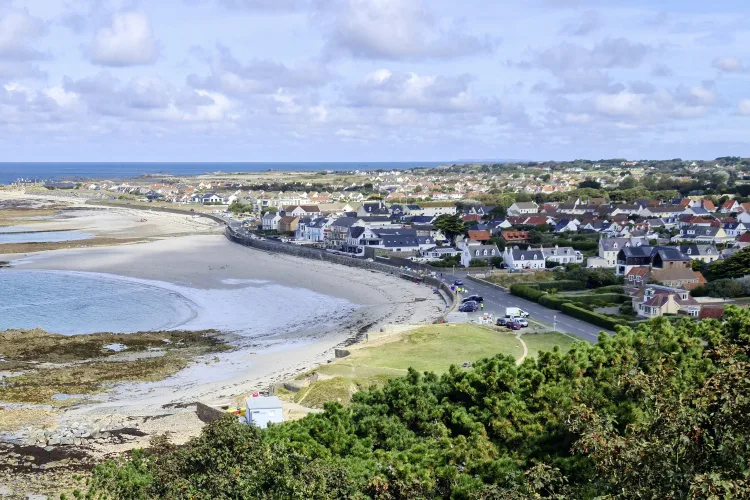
pixel 610 247
pixel 703 253
pixel 270 221
pixel 701 234
pixel 562 255
pixel 438 253
pixel 288 224
pixel 336 235
pixel 523 208
pixel 517 259
pixel 653 301
pixel 303 211
pixel 511 237
pixel 656 257
pixel 478 251
pixel 372 209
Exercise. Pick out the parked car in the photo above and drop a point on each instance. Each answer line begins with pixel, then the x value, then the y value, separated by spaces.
pixel 474 298
pixel 470 306
pixel 501 322
pixel 458 283
pixel 512 326
pixel 522 322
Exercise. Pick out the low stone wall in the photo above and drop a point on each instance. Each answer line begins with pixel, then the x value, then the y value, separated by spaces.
pixel 319 254
pixel 208 414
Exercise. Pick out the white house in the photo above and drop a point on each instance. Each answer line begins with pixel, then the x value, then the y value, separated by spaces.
pixel 523 208
pixel 517 259
pixel 562 255
pixel 437 253
pixel 302 211
pixel 270 221
pixel 610 247
pixel 263 410
pixel 478 251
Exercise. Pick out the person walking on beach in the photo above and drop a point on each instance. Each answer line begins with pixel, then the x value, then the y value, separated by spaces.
pixel 481 306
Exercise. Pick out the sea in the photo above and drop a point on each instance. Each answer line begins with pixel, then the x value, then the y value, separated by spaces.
pixel 11 172
pixel 69 302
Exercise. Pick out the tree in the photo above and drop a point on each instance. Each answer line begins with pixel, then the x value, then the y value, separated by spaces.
pixel 660 411
pixel 628 182
pixel 451 226
pixel 590 183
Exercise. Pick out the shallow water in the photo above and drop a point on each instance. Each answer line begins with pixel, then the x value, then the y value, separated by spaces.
pixel 76 302
pixel 17 235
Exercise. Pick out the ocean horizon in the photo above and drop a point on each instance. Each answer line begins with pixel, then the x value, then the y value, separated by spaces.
pixel 74 171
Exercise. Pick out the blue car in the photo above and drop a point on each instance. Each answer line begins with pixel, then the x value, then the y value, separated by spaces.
pixel 458 283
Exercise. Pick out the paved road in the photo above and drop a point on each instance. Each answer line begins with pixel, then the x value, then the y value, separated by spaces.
pixel 496 300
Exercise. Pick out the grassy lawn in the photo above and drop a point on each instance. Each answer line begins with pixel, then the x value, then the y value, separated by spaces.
pixel 432 348
pixel 508 279
pixel 547 341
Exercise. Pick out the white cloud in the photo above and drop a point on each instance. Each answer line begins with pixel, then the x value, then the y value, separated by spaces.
pixel 728 64
pixel 397 29
pixel 18 31
pixel 744 107
pixel 129 41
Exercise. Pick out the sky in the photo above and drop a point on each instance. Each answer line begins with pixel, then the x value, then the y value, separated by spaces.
pixel 373 80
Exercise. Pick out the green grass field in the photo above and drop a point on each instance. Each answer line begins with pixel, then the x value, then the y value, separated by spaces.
pixel 547 341
pixel 432 348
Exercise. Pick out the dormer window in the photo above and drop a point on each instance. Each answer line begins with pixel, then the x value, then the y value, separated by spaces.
pixel 690 250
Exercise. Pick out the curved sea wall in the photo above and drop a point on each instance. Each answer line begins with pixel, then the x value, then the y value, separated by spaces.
pixel 318 254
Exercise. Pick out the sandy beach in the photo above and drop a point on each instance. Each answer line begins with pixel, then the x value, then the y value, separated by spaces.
pixel 191 253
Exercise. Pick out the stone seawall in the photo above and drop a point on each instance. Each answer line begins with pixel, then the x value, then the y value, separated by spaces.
pixel 318 254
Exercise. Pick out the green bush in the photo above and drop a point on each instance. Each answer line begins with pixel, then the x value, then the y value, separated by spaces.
pixel 610 289
pixel 590 316
pixel 526 292
pixel 553 301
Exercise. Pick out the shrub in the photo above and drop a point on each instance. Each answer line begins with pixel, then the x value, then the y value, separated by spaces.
pixel 610 289
pixel 590 316
pixel 525 291
pixel 553 301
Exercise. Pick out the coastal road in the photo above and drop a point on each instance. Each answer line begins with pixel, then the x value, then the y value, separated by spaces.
pixel 496 300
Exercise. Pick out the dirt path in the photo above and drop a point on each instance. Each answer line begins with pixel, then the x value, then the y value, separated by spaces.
pixel 525 349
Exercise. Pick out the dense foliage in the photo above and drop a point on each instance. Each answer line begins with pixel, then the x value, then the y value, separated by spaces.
pixel 658 412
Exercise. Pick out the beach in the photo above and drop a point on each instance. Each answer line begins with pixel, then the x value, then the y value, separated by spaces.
pixel 191 256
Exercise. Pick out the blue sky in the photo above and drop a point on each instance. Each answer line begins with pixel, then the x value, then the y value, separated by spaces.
pixel 372 80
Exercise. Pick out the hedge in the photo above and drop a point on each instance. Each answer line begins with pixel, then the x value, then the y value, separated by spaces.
pixel 525 291
pixel 553 301
pixel 590 317
pixel 610 289
pixel 562 285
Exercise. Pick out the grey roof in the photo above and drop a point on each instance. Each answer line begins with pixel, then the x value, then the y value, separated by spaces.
pixel 555 251
pixel 694 231
pixel 356 231
pixel 318 222
pixel 490 248
pixel 641 251
pixel 425 240
pixel 525 204
pixel 527 254
pixel 413 207
pixel 263 403
pixel 612 244
pixel 699 211
pixel 693 249
pixel 671 253
pixel 345 222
